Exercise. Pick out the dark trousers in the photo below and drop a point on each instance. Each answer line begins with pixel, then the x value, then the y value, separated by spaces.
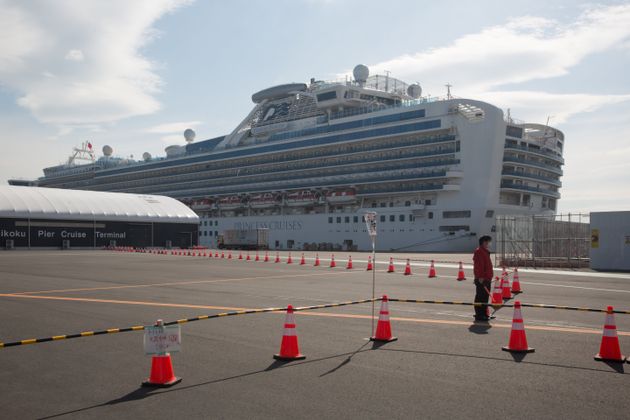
pixel 481 296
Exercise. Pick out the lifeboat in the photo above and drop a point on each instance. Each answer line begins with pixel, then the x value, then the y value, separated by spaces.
pixel 341 196
pixel 231 202
pixel 201 204
pixel 260 201
pixel 301 198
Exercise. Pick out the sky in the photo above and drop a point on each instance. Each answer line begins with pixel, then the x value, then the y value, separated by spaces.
pixel 135 74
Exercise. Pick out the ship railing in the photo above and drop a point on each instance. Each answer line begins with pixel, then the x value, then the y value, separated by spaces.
pixel 548 179
pixel 515 186
pixel 551 168
pixel 291 175
pixel 536 151
pixel 314 183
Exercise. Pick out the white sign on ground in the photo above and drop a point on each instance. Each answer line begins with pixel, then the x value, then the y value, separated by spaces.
pixel 162 339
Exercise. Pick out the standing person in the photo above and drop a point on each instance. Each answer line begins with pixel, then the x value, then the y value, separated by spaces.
pixel 483 277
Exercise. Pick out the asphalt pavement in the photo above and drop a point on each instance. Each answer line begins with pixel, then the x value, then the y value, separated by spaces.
pixel 442 366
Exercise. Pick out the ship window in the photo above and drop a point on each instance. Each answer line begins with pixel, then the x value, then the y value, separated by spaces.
pixel 392 218
pixel 330 220
pixel 427 202
pixel 412 218
pixel 454 228
pixel 374 204
pixel 205 233
pixel 489 213
pixel 407 203
pixel 456 214
pixel 355 219
pixel 383 218
pixel 430 215
pixel 391 204
pixel 338 219
pixel 327 96
pixel 216 223
pixel 216 233
pixel 383 204
pixel 347 219
pixel 401 218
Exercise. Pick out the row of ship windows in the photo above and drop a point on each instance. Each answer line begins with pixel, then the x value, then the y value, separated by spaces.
pixel 375 132
pixel 208 223
pixel 255 164
pixel 208 233
pixel 289 163
pixel 383 218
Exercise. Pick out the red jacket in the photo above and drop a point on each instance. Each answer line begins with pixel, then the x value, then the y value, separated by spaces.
pixel 482 264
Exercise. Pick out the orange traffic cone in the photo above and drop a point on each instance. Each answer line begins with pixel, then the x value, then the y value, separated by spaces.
pixel 302 261
pixel 383 327
pixel 460 274
pixel 609 350
pixel 289 347
pixel 222 254
pixel 369 265
pixel 277 260
pixel 497 293
pixel 289 260
pixel 316 260
pixel 390 268
pixel 216 254
pixel 432 270
pixel 349 266
pixel 248 258
pixel 266 257
pixel 518 339
pixel 507 294
pixel 229 255
pixel 408 268
pixel 516 284
pixel 210 254
pixel 162 375
pixel 257 257
pixel 240 255
pixel 333 264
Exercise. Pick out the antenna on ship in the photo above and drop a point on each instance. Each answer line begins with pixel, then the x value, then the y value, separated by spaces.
pixel 85 152
pixel 387 72
pixel 448 91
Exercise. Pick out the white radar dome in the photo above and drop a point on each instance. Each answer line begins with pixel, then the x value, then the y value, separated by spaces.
pixel 361 73
pixel 414 90
pixel 146 156
pixel 107 150
pixel 189 135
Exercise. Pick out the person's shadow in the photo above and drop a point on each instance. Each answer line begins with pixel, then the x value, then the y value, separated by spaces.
pixel 479 327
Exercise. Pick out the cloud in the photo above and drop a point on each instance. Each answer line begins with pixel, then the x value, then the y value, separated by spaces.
pixel 523 49
pixel 537 105
pixel 75 55
pixel 174 127
pixel 41 46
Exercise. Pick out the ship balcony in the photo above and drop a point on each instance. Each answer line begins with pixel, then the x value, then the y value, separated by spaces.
pixel 507 185
pixel 533 164
pixel 525 175
pixel 538 152
pixel 452 187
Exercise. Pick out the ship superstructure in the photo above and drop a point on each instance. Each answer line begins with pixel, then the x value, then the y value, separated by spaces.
pixel 310 159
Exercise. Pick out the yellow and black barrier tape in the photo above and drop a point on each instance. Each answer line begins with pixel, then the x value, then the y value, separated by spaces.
pixel 508 305
pixel 179 321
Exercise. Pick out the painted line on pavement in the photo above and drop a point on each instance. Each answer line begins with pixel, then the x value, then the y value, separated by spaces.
pixel 135 286
pixel 320 314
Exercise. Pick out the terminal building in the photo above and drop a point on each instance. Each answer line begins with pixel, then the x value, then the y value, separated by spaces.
pixel 33 217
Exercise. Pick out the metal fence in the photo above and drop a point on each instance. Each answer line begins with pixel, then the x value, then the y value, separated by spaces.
pixel 561 240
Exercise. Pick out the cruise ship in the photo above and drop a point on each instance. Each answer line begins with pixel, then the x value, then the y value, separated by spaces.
pixel 311 158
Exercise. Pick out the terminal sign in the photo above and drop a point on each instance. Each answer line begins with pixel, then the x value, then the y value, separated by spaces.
pixel 162 339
